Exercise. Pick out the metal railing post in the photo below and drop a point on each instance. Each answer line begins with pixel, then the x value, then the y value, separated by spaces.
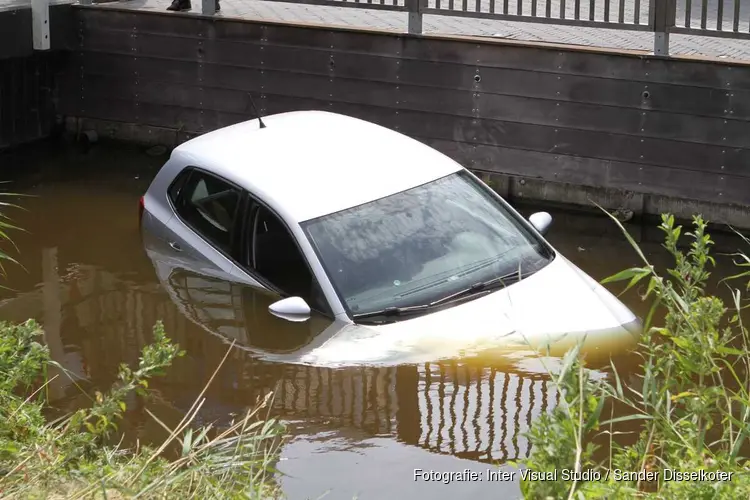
pixel 40 24
pixel 662 13
pixel 208 7
pixel 415 16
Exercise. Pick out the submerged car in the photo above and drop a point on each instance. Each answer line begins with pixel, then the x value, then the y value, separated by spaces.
pixel 360 224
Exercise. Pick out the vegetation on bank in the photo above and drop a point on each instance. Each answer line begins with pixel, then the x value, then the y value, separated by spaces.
pixel 77 456
pixel 73 458
pixel 691 405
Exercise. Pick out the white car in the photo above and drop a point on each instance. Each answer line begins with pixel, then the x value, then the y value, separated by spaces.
pixel 392 241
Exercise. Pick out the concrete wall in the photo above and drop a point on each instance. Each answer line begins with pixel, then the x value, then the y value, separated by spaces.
pixel 552 123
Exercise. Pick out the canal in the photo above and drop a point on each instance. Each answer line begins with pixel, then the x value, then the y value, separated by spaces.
pixel 355 431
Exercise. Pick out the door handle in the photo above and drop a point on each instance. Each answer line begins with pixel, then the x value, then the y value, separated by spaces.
pixel 175 246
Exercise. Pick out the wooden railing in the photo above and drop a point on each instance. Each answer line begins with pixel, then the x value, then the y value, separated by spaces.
pixel 716 18
pixel 722 18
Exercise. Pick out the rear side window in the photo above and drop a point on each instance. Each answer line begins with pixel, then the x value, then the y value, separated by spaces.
pixel 174 189
pixel 209 206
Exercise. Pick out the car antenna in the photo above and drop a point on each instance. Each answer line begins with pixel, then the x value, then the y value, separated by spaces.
pixel 260 118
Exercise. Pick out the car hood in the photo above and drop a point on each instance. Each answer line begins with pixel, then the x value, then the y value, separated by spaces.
pixel 550 311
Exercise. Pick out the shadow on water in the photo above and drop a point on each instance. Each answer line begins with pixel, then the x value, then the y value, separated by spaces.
pixel 90 283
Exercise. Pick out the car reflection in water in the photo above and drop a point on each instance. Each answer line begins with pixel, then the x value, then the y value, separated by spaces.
pixel 477 411
pixel 239 313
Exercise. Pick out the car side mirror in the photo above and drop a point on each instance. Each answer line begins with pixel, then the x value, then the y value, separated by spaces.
pixel 541 221
pixel 291 309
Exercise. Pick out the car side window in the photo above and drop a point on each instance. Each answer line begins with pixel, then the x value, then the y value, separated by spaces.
pixel 275 256
pixel 173 192
pixel 209 206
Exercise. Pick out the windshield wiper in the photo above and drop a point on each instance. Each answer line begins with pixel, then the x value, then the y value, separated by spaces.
pixel 393 311
pixel 476 267
pixel 482 286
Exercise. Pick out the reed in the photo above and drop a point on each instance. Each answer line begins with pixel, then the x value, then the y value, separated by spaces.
pixel 70 458
pixel 690 403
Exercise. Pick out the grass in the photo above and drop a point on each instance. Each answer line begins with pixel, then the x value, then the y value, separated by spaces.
pixel 690 407
pixel 72 457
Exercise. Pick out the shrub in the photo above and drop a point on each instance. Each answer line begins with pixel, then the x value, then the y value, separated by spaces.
pixel 692 399
pixel 72 457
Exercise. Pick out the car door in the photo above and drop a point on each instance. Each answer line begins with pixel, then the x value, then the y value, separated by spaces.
pixel 270 253
pixel 203 235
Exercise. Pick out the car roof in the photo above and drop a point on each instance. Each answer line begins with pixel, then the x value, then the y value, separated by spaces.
pixel 306 164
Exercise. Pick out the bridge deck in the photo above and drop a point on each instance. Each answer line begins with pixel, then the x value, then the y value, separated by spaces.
pixel 26 4
pixel 445 25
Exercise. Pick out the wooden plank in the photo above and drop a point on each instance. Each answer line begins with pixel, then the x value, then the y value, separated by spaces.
pixel 270 83
pixel 237 30
pixel 620 70
pixel 27 110
pixel 663 97
pixel 180 63
pixel 136 44
pixel 69 85
pixel 379 115
pixel 716 75
pixel 648 179
pixel 127 111
pixel 15 33
pixel 279 35
pixel 656 97
pixel 704 101
pixel 531 139
pixel 248 30
pixel 189 72
pixel 356 92
pixel 570 115
pixel 171 47
pixel 534 111
pixel 62 27
pixel 190 120
pixel 638 116
pixel 497 120
pixel 591 144
pixel 624 67
pixel 134 21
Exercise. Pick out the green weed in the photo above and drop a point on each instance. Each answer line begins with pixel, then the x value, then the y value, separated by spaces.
pixel 691 403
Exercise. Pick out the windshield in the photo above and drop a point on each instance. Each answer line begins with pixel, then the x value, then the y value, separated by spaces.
pixel 422 245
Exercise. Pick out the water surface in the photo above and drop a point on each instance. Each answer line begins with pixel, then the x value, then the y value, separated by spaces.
pixel 357 431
